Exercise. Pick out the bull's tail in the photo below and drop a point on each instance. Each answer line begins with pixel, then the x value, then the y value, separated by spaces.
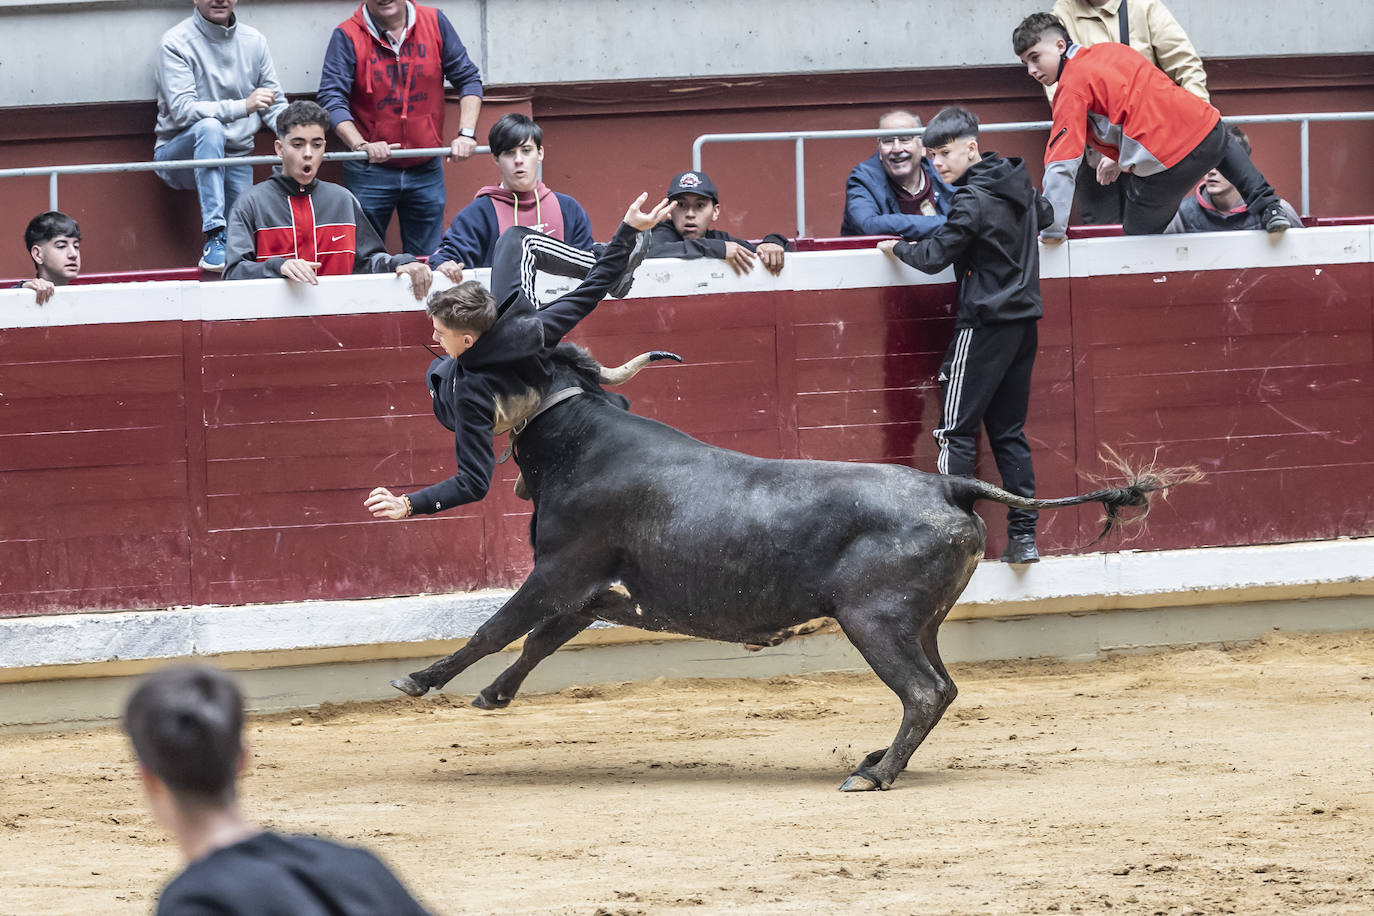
pixel 1141 485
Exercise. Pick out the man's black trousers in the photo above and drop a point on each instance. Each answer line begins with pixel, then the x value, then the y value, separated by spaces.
pixel 519 255
pixel 1152 200
pixel 985 379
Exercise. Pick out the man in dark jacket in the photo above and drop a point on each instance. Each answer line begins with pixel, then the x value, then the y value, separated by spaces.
pixel 897 190
pixel 687 232
pixel 497 345
pixel 991 239
pixel 186 726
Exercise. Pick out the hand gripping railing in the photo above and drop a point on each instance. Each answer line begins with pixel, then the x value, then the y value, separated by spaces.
pixel 799 137
pixel 52 171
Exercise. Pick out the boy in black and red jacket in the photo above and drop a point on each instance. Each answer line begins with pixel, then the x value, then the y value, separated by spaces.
pixel 991 237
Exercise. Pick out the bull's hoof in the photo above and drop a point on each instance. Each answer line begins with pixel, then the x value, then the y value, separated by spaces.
pixel 858 783
pixel 482 701
pixel 409 686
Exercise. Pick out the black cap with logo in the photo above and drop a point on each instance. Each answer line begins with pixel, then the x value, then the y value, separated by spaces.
pixel 692 183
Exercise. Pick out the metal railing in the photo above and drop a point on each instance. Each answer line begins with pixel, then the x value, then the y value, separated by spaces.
pixel 799 137
pixel 171 165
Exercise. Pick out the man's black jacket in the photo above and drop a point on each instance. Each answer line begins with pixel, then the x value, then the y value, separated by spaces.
pixel 991 236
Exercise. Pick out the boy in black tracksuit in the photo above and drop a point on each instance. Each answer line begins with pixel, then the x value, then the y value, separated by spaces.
pixel 991 236
pixel 498 343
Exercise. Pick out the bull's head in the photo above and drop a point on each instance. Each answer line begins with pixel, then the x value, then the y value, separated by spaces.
pixel 574 367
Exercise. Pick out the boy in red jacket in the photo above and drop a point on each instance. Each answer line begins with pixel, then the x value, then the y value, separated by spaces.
pixel 1163 137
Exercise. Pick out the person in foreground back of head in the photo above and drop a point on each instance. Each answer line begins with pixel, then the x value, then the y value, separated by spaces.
pixel 1160 136
pixel 498 344
pixel 1216 205
pixel 53 240
pixel 687 232
pixel 186 726
pixel 990 237
pixel 299 228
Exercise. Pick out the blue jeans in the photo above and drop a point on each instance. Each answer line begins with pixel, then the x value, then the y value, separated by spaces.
pixel 416 194
pixel 218 187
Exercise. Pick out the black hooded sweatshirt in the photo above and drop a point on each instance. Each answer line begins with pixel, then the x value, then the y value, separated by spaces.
pixel 991 236
pixel 508 360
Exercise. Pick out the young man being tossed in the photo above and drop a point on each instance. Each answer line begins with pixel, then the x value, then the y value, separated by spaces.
pixel 498 343
pixel 990 236
pixel 300 228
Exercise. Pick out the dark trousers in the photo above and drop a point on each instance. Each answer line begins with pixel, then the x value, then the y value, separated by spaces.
pixel 985 379
pixel 521 252
pixel 1152 200
pixel 1099 205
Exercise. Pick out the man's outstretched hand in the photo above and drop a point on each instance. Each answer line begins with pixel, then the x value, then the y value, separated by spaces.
pixel 638 219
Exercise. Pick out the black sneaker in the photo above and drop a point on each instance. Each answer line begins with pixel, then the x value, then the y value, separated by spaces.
pixel 1021 549
pixel 1275 220
pixel 627 279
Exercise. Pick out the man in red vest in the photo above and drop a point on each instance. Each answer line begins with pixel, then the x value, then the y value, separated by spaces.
pixel 382 83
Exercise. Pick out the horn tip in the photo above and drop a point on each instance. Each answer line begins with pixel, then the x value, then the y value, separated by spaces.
pixel 656 355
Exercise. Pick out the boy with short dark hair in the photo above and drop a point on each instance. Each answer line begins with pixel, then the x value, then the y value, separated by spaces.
pixel 521 199
pixel 1162 136
pixel 497 347
pixel 186 726
pixel 53 240
pixel 299 228
pixel 990 238
pixel 688 234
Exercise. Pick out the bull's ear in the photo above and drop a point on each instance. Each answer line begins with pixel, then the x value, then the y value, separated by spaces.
pixel 619 400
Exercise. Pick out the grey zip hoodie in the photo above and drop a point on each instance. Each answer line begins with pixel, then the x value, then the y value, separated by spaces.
pixel 207 71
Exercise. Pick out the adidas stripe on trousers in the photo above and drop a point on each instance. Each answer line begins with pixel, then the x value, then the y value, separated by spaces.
pixel 521 252
pixel 985 380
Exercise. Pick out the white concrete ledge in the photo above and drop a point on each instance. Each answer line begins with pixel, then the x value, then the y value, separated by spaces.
pixel 35 648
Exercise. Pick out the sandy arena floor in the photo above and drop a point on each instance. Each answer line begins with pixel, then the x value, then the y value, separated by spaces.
pixel 1205 781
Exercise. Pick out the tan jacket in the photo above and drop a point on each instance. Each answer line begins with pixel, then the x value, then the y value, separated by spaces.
pixel 1154 32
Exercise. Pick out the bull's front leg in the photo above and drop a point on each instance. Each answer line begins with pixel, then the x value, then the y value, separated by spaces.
pixel 536 600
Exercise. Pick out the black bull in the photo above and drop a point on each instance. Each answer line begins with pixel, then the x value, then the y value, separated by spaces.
pixel 639 524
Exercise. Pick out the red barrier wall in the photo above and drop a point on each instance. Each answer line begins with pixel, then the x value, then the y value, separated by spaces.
pixel 163 462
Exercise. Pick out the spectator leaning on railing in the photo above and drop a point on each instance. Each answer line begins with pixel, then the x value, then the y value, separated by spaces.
pixel 1163 136
pixel 1149 27
pixel 896 191
pixel 216 87
pixel 53 240
pixel 687 233
pixel 990 240
pixel 521 199
pixel 297 227
pixel 186 727
pixel 382 83
pixel 1216 205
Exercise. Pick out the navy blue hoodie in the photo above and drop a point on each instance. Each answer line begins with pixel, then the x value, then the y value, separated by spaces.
pixel 507 361
pixel 870 203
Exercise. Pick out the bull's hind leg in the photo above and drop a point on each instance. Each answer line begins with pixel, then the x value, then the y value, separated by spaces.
pixel 541 597
pixel 542 642
pixel 902 651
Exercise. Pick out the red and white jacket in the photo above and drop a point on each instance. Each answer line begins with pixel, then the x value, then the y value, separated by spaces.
pixel 278 220
pixel 1137 115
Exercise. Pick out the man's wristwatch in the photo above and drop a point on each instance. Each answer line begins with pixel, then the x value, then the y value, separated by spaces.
pixel 469 132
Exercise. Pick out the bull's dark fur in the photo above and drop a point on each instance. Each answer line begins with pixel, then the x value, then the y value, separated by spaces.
pixel 640 524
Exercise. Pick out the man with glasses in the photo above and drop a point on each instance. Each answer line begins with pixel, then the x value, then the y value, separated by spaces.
pixel 896 191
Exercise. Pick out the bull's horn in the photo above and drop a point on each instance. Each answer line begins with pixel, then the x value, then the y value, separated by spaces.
pixel 622 374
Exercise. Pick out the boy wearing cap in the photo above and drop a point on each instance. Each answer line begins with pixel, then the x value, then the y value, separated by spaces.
pixel 990 238
pixel 687 233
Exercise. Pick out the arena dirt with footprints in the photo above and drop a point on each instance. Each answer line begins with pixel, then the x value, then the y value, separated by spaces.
pixel 1231 780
